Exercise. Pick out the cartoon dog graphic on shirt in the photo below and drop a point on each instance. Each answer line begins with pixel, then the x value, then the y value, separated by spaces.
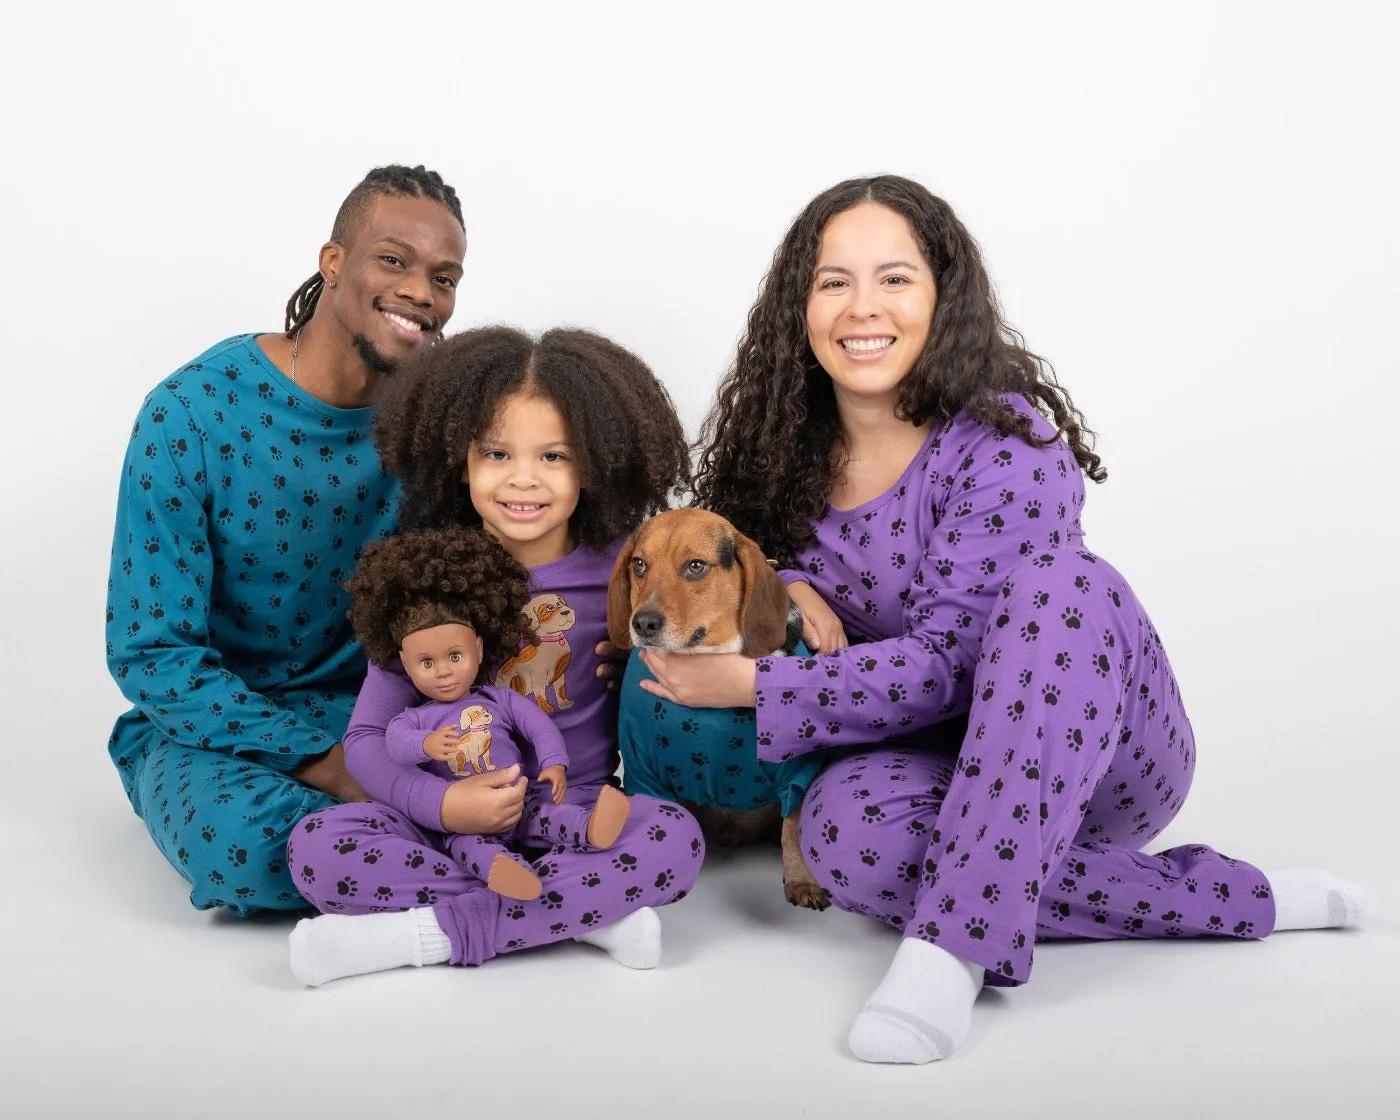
pixel 540 667
pixel 473 754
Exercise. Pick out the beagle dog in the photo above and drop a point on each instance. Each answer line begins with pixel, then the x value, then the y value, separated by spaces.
pixel 688 582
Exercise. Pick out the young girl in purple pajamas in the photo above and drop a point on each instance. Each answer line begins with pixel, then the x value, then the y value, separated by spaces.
pixel 1014 730
pixel 557 448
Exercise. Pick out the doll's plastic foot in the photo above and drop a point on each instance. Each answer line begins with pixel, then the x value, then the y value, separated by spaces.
pixel 609 817
pixel 510 878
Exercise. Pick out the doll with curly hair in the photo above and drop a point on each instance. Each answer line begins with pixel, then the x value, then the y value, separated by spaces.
pixel 446 604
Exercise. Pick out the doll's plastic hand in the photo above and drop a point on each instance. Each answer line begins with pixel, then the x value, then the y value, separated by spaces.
pixel 614 664
pixel 484 804
pixel 821 629
pixel 702 680
pixel 441 745
pixel 558 783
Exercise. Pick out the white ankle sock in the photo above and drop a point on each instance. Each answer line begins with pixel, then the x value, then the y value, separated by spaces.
pixel 922 1009
pixel 336 945
pixel 634 941
pixel 1306 898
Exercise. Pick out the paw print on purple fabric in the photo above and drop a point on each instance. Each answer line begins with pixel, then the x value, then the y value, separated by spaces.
pixel 1030 632
pixel 625 862
pixel 1007 848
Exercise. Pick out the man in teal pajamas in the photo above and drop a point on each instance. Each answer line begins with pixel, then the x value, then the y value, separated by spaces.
pixel 250 484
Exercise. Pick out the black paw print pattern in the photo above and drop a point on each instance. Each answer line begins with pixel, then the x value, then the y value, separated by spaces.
pixel 215 546
pixel 654 862
pixel 705 756
pixel 1079 748
pixel 223 824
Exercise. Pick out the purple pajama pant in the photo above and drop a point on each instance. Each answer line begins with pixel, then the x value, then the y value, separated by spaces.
pixel 542 824
pixel 364 857
pixel 1078 752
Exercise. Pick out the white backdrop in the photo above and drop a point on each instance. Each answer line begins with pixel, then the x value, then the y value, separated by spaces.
pixel 1190 209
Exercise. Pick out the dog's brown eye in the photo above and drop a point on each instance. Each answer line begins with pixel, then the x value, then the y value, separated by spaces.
pixel 694 569
pixel 639 567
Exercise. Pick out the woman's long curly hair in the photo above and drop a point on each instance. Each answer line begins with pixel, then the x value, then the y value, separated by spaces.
pixel 772 445
pixel 627 440
pixel 412 581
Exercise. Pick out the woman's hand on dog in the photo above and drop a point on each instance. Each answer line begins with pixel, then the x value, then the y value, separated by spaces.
pixel 484 803
pixel 702 680
pixel 821 629
pixel 614 664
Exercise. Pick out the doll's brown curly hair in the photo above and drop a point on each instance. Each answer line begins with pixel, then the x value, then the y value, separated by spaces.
pixel 416 580
pixel 623 429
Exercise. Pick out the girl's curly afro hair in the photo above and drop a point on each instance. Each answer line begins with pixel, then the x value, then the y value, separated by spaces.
pixel 624 433
pixel 412 581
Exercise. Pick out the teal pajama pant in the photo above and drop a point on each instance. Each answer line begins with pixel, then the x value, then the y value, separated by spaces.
pixel 222 823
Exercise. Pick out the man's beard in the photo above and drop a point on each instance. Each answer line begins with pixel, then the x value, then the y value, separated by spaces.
pixel 374 361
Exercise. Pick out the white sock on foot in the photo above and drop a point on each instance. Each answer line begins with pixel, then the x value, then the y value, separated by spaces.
pixel 336 945
pixel 922 1009
pixel 1306 898
pixel 634 941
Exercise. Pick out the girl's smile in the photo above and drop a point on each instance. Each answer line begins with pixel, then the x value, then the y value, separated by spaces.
pixel 523 480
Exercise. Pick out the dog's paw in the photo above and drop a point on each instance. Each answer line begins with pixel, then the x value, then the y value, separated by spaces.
pixel 806 893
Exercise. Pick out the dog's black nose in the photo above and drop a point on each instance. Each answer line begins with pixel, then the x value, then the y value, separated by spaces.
pixel 648 624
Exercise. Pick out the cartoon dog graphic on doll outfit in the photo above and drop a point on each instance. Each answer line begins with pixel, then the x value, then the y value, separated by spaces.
pixel 539 667
pixel 473 754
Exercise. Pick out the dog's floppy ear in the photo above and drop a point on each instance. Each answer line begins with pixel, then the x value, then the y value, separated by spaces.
pixel 763 614
pixel 620 596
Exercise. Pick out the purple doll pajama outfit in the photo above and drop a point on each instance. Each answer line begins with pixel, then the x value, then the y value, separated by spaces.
pixel 391 853
pixel 973 595
pixel 501 729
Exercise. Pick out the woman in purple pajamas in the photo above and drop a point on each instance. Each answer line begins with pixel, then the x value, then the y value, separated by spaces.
pixel 558 448
pixel 1013 731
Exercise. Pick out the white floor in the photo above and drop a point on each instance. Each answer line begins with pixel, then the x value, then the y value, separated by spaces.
pixel 121 1001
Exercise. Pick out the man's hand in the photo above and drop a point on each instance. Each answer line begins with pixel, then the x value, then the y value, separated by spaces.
pixel 821 629
pixel 484 804
pixel 613 666
pixel 441 745
pixel 328 774
pixel 558 783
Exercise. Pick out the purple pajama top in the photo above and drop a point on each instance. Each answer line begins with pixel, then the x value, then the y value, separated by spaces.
pixel 569 610
pixel 500 726
pixel 914 576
